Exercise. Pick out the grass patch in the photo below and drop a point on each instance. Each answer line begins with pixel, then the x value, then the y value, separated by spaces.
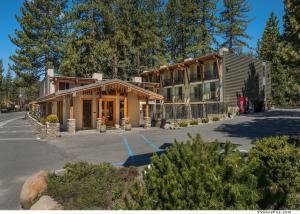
pixel 194 122
pixel 90 186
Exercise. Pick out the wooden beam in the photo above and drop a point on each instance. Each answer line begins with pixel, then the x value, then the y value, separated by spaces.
pixel 125 107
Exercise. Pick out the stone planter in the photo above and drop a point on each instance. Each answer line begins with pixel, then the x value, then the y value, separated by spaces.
pixel 127 127
pixel 53 129
pixel 147 122
pixel 158 122
pixel 102 128
pixel 71 126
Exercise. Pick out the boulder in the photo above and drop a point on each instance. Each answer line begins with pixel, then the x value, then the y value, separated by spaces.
pixel 33 186
pixel 167 126
pixel 46 203
pixel 60 172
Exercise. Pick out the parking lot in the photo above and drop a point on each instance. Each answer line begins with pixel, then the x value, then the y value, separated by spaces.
pixel 23 153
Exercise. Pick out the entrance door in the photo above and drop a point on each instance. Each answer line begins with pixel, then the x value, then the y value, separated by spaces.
pixel 109 111
pixel 87 114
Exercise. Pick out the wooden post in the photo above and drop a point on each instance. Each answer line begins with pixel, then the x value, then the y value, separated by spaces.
pixel 100 108
pixel 147 108
pixel 125 107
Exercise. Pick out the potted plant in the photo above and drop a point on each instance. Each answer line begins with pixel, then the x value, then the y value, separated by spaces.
pixel 102 126
pixel 127 125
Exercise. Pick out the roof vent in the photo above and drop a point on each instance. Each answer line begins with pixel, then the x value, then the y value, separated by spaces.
pixel 188 59
pixel 222 50
pixel 97 76
pixel 50 72
pixel 137 79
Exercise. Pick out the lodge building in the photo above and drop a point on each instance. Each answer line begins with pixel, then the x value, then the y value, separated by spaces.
pixel 198 87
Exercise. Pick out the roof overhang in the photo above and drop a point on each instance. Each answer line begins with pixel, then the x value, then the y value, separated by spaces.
pixel 103 84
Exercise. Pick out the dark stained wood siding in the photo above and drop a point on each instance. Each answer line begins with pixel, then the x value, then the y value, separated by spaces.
pixel 243 75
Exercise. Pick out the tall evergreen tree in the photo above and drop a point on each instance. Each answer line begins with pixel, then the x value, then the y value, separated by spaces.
pixel 290 47
pixel 39 40
pixel 147 32
pixel 191 27
pixel 81 48
pixel 269 51
pixel 1 72
pixel 234 22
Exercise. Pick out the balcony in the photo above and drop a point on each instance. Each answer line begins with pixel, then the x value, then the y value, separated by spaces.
pixel 211 75
pixel 195 78
pixel 179 80
pixel 195 98
pixel 167 82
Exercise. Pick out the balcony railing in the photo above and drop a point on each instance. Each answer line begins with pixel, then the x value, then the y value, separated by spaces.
pixel 195 78
pixel 167 82
pixel 178 80
pixel 195 98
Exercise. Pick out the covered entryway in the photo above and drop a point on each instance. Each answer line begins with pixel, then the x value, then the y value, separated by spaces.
pixel 109 111
pixel 87 114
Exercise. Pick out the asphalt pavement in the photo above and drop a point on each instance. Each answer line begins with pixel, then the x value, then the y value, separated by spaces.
pixel 23 153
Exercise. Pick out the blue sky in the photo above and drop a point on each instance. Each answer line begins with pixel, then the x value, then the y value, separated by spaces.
pixel 261 10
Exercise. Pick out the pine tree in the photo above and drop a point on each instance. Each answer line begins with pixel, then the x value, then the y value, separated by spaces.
pixel 269 51
pixel 234 22
pixel 290 48
pixel 147 21
pixel 39 40
pixel 81 58
pixel 1 72
pixel 191 28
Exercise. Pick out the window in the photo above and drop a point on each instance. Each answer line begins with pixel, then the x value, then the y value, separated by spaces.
pixel 211 71
pixel 196 92
pixel 168 94
pixel 178 93
pixel 210 90
pixel 64 85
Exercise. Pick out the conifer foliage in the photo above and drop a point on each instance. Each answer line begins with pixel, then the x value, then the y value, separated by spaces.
pixel 196 175
pixel 234 22
pixel 39 39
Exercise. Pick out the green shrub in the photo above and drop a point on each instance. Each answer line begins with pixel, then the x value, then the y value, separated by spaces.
pixel 88 186
pixel 204 120
pixel 196 175
pixel 194 122
pixel 276 163
pixel 215 119
pixel 52 118
pixel 183 123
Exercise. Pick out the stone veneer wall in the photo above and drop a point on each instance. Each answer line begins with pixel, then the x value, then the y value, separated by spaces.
pixel 53 129
pixel 40 127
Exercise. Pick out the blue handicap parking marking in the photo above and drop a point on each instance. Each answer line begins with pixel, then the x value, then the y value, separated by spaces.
pixel 126 144
pixel 149 143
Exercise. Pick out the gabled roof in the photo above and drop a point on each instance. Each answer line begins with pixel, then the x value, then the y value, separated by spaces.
pixel 103 83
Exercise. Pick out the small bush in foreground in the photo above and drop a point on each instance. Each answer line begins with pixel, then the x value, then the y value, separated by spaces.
pixel 194 122
pixel 276 164
pixel 197 175
pixel 183 123
pixel 52 118
pixel 88 186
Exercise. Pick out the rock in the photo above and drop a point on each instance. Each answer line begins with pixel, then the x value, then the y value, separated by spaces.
pixel 33 186
pixel 60 172
pixel 167 126
pixel 46 203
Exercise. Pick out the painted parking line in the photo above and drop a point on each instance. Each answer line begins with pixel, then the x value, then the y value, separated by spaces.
pixel 126 144
pixel 149 143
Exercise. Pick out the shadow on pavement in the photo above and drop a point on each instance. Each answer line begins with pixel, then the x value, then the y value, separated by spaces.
pixel 141 160
pixel 262 127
